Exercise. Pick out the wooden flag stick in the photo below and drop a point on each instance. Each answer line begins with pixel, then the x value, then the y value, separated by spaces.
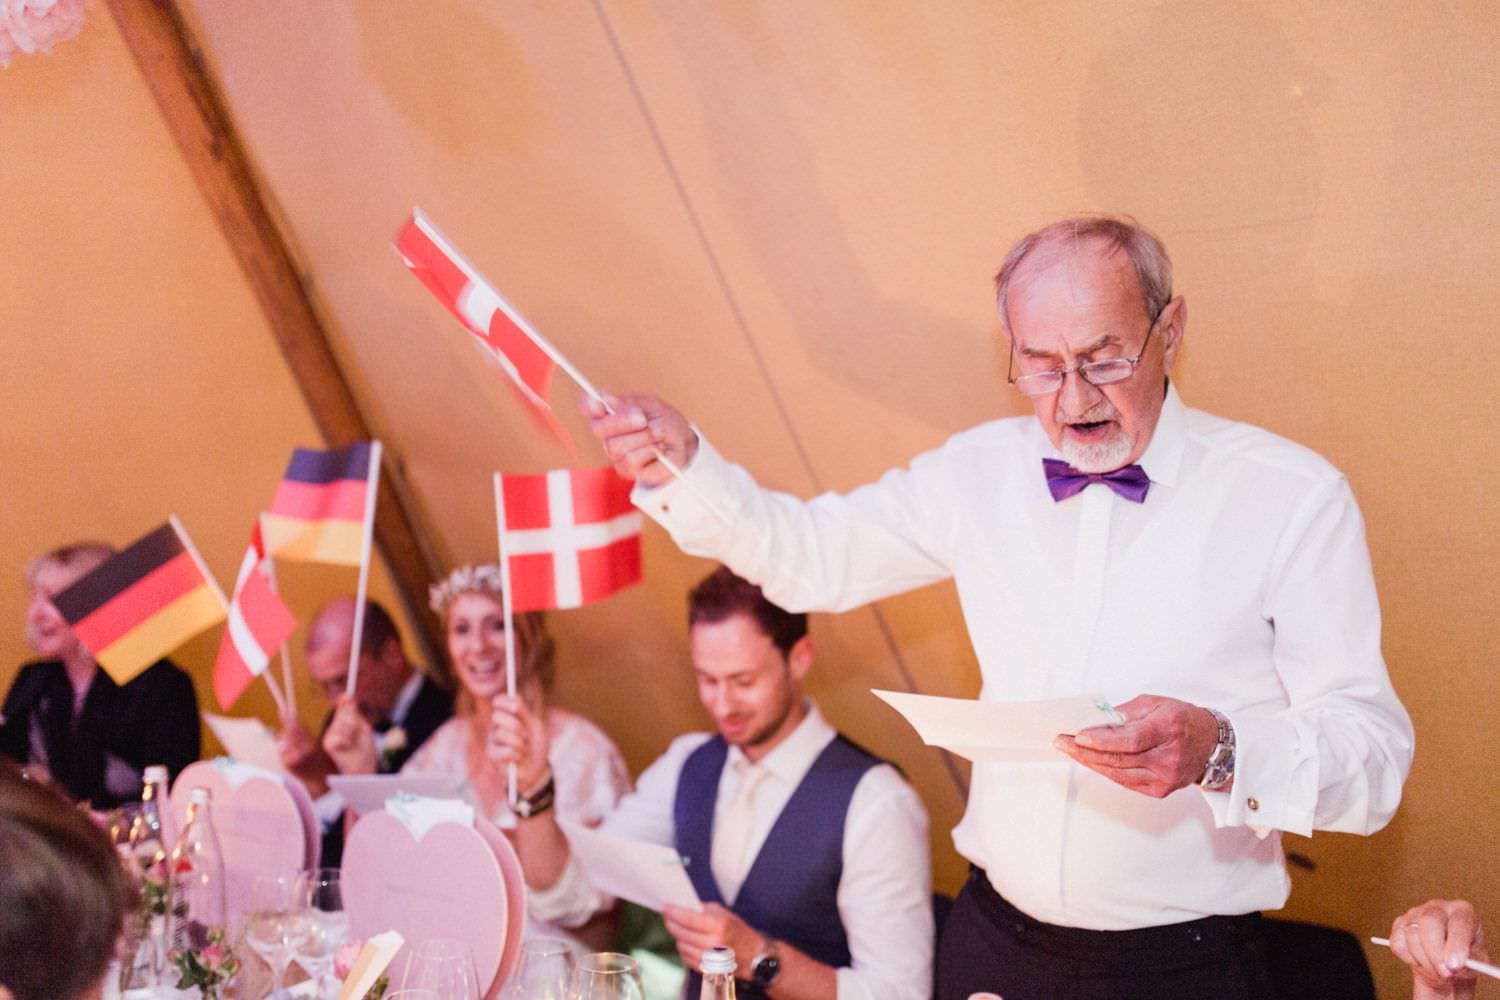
pixel 192 551
pixel 290 693
pixel 547 347
pixel 512 793
pixel 371 489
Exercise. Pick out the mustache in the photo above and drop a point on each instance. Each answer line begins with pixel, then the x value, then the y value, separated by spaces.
pixel 1103 410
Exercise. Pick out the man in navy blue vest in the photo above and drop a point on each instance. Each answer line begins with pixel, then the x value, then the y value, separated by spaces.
pixel 810 855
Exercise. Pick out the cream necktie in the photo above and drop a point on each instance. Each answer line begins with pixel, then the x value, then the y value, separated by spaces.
pixel 732 831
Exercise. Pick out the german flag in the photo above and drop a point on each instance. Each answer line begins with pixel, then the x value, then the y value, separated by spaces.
pixel 320 509
pixel 143 603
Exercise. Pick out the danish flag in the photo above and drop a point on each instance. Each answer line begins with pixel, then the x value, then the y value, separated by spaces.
pixel 524 354
pixel 259 622
pixel 569 537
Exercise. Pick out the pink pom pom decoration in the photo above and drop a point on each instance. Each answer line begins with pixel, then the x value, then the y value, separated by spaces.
pixel 37 25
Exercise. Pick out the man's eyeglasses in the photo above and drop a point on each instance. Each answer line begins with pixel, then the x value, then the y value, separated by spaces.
pixel 1092 372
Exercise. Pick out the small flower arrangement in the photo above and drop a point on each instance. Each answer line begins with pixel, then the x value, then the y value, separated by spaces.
pixel 36 25
pixel 208 968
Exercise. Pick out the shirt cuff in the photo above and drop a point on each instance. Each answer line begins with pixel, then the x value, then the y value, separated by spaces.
pixel 689 505
pixel 1275 779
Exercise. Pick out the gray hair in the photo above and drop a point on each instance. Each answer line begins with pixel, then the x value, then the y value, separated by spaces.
pixel 83 556
pixel 1153 268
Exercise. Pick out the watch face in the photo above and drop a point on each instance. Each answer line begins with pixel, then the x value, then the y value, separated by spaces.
pixel 765 969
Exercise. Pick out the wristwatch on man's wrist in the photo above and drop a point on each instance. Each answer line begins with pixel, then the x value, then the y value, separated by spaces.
pixel 1219 771
pixel 765 967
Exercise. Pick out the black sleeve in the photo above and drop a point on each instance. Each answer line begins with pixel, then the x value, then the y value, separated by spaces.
pixel 173 738
pixel 15 716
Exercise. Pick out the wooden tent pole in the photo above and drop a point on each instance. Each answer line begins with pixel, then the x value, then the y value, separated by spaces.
pixel 195 113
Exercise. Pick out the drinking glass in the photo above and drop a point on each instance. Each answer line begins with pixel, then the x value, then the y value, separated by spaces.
pixel 327 925
pixel 606 975
pixel 546 966
pixel 446 967
pixel 276 925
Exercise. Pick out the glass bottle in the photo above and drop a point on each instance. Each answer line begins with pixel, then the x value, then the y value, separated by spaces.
pixel 195 886
pixel 718 974
pixel 146 843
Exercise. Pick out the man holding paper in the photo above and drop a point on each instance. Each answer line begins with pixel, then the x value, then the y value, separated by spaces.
pixel 1207 578
pixel 810 855
pixel 400 705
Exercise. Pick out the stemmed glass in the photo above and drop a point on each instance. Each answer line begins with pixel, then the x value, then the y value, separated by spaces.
pixel 445 966
pixel 606 975
pixel 277 924
pixel 546 966
pixel 327 924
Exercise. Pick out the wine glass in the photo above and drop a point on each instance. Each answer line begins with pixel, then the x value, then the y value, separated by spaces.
pixel 276 925
pixel 327 924
pixel 546 966
pixel 445 966
pixel 606 975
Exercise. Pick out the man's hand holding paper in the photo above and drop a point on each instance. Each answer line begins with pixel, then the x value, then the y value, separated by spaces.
pixel 1162 745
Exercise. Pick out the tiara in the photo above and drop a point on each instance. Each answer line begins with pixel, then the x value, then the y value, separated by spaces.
pixel 483 579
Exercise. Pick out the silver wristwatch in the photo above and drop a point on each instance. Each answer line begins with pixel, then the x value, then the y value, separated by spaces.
pixel 1219 771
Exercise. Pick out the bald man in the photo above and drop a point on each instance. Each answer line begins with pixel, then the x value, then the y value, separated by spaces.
pixel 404 705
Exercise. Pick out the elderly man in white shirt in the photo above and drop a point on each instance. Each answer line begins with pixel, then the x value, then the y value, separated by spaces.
pixel 811 855
pixel 1209 578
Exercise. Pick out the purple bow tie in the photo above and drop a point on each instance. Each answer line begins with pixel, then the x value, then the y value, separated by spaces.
pixel 1063 480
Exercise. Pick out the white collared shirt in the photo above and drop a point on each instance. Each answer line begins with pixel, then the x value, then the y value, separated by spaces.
pixel 884 894
pixel 1242 583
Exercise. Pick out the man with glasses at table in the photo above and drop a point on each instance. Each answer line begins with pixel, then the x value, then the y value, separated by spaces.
pixel 1209 578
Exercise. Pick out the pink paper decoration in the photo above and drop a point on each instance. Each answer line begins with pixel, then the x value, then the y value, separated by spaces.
pixel 458 882
pixel 262 826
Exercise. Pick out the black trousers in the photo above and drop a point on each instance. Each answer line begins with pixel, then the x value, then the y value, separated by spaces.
pixel 989 945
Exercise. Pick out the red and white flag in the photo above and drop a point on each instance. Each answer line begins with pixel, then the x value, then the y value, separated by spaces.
pixel 524 354
pixel 569 537
pixel 259 622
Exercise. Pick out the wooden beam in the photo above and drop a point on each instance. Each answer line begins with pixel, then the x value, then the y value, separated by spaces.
pixel 195 114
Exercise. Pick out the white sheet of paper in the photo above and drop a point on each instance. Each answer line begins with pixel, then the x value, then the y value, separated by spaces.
pixel 373 958
pixel 369 792
pixel 999 730
pixel 247 740
pixel 648 874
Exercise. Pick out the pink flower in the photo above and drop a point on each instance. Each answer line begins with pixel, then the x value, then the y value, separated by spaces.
pixel 37 25
pixel 213 954
pixel 345 957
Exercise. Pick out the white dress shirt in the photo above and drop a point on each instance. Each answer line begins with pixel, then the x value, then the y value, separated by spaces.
pixel 884 894
pixel 590 778
pixel 1242 583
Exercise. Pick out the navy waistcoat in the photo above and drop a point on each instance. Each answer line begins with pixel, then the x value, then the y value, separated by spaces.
pixel 791 890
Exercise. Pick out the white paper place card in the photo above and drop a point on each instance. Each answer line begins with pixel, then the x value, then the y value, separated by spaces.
pixel 373 959
pixel 246 739
pixel 369 792
pixel 647 874
pixel 419 814
pixel 999 730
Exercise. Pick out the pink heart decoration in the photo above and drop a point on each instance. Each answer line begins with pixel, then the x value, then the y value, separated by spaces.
pixel 260 825
pixel 460 882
